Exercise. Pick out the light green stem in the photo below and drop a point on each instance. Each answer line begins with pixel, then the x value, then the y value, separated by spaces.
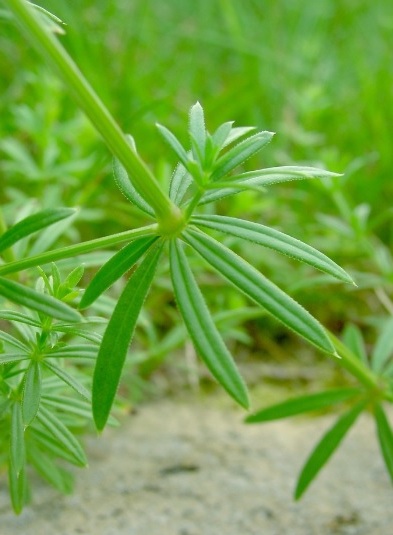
pixel 80 248
pixel 167 213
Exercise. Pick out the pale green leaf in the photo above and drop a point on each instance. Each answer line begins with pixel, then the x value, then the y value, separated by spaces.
pixel 202 329
pixel 258 288
pixel 118 336
pixel 240 153
pixel 180 182
pixel 175 144
pixel 353 339
pixel 275 240
pixel 197 130
pixel 85 351
pixel 383 349
pixel 67 379
pixel 17 439
pixel 18 488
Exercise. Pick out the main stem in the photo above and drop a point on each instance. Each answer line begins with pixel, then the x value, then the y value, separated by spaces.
pixel 168 214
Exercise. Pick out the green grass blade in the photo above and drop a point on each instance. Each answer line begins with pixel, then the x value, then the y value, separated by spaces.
pixel 258 288
pixel 18 488
pixel 240 153
pixel 17 439
pixel 40 302
pixel 67 379
pixel 275 240
pixel 385 437
pixel 301 404
pixel 202 329
pixel 32 389
pixel 118 336
pixel 325 448
pixel 32 224
pixel 383 349
pixel 115 268
pixel 62 435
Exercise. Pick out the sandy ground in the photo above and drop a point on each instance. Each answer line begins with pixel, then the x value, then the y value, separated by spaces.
pixel 180 467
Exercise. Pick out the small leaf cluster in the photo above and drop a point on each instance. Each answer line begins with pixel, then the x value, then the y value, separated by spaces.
pixel 374 390
pixel 204 174
pixel 42 395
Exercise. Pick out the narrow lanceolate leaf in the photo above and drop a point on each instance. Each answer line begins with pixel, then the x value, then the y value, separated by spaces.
pixel 261 178
pixel 353 339
pixel 62 434
pixel 325 448
pixel 14 342
pixel 17 439
pixel 202 329
pixel 175 144
pixel 57 476
pixel 258 288
pixel 19 317
pixel 383 349
pixel 275 240
pixel 197 129
pixel 32 224
pixel 125 185
pixel 18 488
pixel 118 336
pixel 31 392
pixel 385 437
pixel 40 302
pixel 67 379
pixel 240 153
pixel 222 133
pixel 302 404
pixel 7 358
pixel 115 268
pixel 76 351
pixel 180 182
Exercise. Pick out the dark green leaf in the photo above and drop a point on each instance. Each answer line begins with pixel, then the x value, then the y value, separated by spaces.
pixel 117 266
pixel 62 434
pixel 240 153
pixel 49 443
pixel 302 404
pixel 31 392
pixel 32 224
pixel 385 437
pixel 325 448
pixel 275 240
pixel 201 328
pixel 40 302
pixel 259 289
pixel 118 336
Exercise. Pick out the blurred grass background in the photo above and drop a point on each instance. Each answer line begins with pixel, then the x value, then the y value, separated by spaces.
pixel 320 74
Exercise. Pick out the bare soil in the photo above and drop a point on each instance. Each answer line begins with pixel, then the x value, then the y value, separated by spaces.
pixel 191 467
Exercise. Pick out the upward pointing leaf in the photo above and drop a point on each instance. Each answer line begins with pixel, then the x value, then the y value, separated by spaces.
pixel 32 224
pixel 201 328
pixel 197 129
pixel 273 239
pixel 17 439
pixel 119 264
pixel 326 447
pixel 37 301
pixel 259 289
pixel 118 336
pixel 385 437
pixel 383 349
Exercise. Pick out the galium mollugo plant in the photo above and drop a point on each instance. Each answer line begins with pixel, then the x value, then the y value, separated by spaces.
pixel 208 170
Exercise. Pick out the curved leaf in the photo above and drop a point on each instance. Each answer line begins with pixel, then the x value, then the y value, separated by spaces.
pixel 385 437
pixel 258 288
pixel 118 336
pixel 275 240
pixel 325 448
pixel 116 267
pixel 40 302
pixel 32 224
pixel 201 328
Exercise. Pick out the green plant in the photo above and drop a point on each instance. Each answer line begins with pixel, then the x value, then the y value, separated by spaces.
pixel 375 389
pixel 181 224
